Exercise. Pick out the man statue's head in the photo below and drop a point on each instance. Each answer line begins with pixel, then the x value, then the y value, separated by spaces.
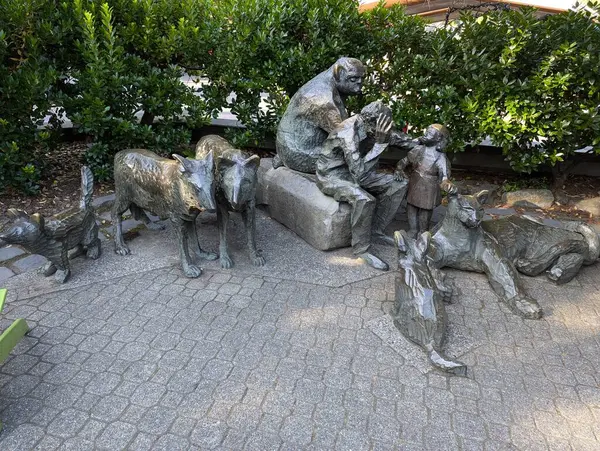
pixel 348 74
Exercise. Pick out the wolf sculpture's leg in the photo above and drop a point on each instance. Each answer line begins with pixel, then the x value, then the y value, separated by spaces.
pixel 504 280
pixel 566 267
pixel 63 270
pixel 140 215
pixel 249 218
pixel 119 207
pixel 536 264
pixel 189 269
pixel 222 220
pixel 195 250
pixel 92 243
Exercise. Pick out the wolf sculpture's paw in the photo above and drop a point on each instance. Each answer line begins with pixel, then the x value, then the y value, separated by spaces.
pixel 122 250
pixel 258 260
pixel 94 251
pixel 62 276
pixel 210 256
pixel 192 271
pixel 226 262
pixel 48 269
pixel 526 307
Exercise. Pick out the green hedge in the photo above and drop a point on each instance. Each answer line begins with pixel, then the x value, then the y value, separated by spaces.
pixel 505 74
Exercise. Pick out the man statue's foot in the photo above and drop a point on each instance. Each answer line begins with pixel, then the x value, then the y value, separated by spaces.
pixel 382 238
pixel 373 261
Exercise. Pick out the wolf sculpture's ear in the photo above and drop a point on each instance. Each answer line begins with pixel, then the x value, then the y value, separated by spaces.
pixel 38 219
pixel 252 162
pixel 337 68
pixel 421 245
pixel 184 164
pixel 210 160
pixel 482 196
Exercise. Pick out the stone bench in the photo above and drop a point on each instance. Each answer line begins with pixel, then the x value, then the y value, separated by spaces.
pixel 294 200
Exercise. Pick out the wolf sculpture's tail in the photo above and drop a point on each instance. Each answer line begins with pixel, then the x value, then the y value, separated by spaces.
pixel 87 187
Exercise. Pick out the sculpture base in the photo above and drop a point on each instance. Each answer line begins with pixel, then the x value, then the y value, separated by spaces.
pixel 294 200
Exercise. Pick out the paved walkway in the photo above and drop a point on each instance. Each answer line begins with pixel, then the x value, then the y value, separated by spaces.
pixel 299 354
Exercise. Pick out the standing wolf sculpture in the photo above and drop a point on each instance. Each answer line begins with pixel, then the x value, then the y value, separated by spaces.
pixel 419 311
pixel 460 242
pixel 55 236
pixel 235 190
pixel 176 189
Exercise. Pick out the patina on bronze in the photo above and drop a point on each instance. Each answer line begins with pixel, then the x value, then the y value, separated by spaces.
pixel 430 172
pixel 419 311
pixel 175 189
pixel 461 242
pixel 348 174
pixel 235 190
pixel 53 237
pixel 535 247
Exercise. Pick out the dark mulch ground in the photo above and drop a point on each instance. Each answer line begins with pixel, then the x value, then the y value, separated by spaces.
pixel 60 188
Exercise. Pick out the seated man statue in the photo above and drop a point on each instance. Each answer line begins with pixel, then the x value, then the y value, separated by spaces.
pixel 349 175
pixel 313 112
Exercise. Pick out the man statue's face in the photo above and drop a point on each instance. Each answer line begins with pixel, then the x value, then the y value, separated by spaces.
pixel 351 81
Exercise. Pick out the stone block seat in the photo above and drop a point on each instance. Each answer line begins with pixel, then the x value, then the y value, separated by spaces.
pixel 294 200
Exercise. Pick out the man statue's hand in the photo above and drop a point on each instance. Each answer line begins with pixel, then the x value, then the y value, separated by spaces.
pixel 383 129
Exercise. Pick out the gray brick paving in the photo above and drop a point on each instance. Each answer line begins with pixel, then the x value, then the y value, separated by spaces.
pixel 241 360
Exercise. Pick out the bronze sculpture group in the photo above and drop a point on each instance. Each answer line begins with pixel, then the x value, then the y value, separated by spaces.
pixel 317 135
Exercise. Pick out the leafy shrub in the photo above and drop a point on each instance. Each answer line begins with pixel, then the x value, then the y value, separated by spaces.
pixel 26 77
pixel 106 96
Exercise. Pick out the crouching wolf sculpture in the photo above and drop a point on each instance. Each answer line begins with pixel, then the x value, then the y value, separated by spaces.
pixel 176 189
pixel 53 237
pixel 235 190
pixel 419 311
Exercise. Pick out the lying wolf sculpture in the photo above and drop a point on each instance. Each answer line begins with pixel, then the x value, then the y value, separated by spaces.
pixel 419 311
pixel 235 190
pixel 53 237
pixel 460 242
pixel 534 247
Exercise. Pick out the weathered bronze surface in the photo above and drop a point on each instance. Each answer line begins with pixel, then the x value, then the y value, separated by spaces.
pixel 315 111
pixel 419 311
pixel 461 242
pixel 53 237
pixel 175 189
pixel 534 247
pixel 430 170
pixel 348 174
pixel 235 190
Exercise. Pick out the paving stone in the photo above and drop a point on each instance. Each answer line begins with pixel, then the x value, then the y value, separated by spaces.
pixel 28 263
pixel 10 252
pixel 5 274
pixel 117 435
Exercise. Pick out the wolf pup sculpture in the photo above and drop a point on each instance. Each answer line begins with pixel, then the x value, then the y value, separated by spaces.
pixel 176 189
pixel 235 190
pixel 53 237
pixel 419 311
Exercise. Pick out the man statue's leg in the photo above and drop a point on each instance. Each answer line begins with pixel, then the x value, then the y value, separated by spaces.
pixel 361 217
pixel 389 193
